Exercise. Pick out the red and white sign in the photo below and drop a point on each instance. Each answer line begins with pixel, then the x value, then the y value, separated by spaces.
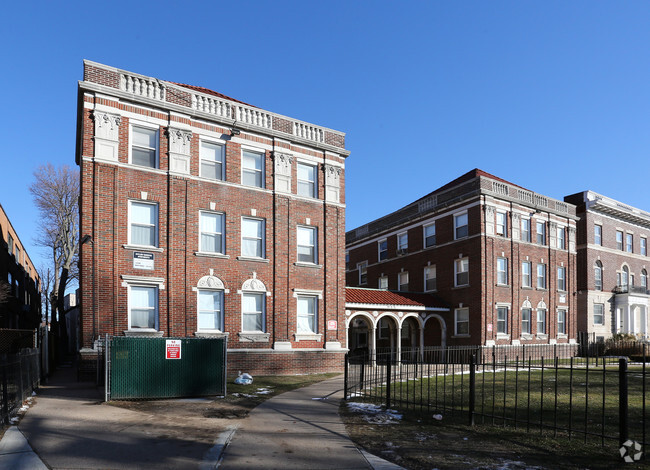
pixel 332 325
pixel 173 349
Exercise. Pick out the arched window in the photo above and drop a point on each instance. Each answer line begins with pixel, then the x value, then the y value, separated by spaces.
pixel 625 277
pixel 598 275
pixel 209 294
pixel 644 279
pixel 253 303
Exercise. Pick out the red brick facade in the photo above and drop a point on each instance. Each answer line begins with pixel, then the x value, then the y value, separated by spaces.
pixel 176 191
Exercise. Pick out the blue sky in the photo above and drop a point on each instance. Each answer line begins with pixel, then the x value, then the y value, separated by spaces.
pixel 553 96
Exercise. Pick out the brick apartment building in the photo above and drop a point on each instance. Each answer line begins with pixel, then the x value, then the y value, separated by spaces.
pixel 205 216
pixel 22 310
pixel 500 257
pixel 613 265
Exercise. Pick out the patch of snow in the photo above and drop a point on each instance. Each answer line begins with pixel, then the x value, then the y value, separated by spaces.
pixel 375 414
pixel 438 417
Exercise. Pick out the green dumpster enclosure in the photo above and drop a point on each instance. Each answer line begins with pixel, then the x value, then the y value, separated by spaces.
pixel 148 368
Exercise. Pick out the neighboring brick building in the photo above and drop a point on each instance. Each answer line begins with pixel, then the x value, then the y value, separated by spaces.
pixel 22 310
pixel 500 256
pixel 613 265
pixel 209 216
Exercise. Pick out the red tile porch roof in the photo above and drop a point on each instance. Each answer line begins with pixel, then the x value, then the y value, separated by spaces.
pixel 357 295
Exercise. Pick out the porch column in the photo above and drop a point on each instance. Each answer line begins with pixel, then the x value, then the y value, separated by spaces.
pixel 399 345
pixel 373 343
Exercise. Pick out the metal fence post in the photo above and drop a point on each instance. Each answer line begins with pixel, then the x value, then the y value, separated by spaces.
pixel 622 401
pixel 345 377
pixel 472 389
pixel 388 378
pixel 5 397
pixel 361 374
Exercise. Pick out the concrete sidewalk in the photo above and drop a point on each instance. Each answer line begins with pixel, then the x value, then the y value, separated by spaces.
pixel 300 429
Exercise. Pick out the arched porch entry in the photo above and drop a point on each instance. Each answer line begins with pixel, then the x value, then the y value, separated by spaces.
pixel 434 331
pixel 360 331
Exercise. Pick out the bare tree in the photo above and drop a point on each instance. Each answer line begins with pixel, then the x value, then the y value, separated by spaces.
pixel 56 195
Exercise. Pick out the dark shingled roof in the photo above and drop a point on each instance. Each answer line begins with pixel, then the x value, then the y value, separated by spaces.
pixel 386 297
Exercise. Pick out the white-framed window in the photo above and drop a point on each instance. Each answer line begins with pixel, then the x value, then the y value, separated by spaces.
pixel 525 320
pixel 619 240
pixel 429 235
pixel 541 276
pixel 402 242
pixel 502 271
pixel 252 173
pixel 561 321
pixel 461 272
pixel 623 277
pixel 525 229
pixel 629 243
pixel 541 321
pixel 561 278
pixel 430 278
pixel 599 314
pixel 210 309
pixel 18 255
pixel 383 328
pixel 561 238
pixel 212 232
pixel 541 232
pixel 526 271
pixel 143 223
pixel 382 248
pixel 143 307
pixel 307 245
pixel 502 224
pixel 644 278
pixel 144 146
pixel 644 246
pixel 598 235
pixel 502 319
pixel 363 272
pixel 403 281
pixel 383 282
pixel 211 156
pixel 307 180
pixel 252 237
pixel 253 311
pixel 307 306
pixel 10 244
pixel 461 322
pixel 598 275
pixel 460 225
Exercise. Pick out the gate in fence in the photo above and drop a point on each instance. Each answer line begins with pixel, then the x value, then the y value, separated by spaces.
pixel 148 368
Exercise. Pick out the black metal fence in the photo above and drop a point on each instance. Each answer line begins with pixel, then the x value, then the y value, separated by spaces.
pixel 20 375
pixel 541 388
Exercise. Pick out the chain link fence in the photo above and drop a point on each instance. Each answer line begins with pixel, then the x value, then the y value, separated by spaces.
pixel 20 376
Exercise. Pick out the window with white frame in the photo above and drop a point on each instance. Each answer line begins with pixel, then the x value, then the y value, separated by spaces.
pixel 382 247
pixel 619 240
pixel 383 328
pixel 541 321
pixel 644 278
pixel 403 281
pixel 460 225
pixel 252 168
pixel 624 277
pixel 307 307
pixel 461 271
pixel 252 237
pixel 211 225
pixel 598 234
pixel 210 309
pixel 212 157
pixel 525 320
pixel 10 244
pixel 541 276
pixel 502 271
pixel 143 307
pixel 502 320
pixel 144 146
pixel 526 272
pixel 561 321
pixel 502 224
pixel 143 224
pixel 525 229
pixel 561 278
pixel 429 235
pixel 253 311
pixel 598 275
pixel 307 183
pixel 644 246
pixel 541 232
pixel 430 278
pixel 461 322
pixel 402 242
pixel 363 272
pixel 307 245
pixel 18 255
pixel 599 314
pixel 629 242
pixel 561 238
pixel 383 282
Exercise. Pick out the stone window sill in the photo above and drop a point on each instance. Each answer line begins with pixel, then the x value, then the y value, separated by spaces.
pixel 259 260
pixel 308 336
pixel 253 337
pixel 211 255
pixel 143 332
pixel 143 248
